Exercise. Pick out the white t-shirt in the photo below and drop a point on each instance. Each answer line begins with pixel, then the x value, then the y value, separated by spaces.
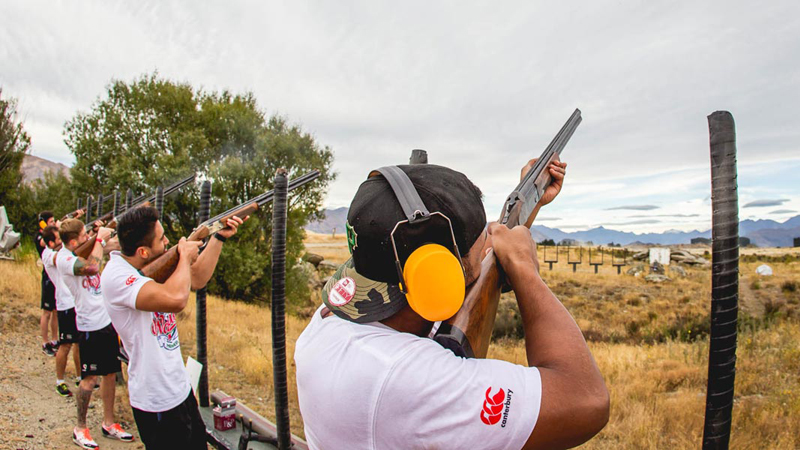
pixel 64 300
pixel 90 312
pixel 368 386
pixel 157 380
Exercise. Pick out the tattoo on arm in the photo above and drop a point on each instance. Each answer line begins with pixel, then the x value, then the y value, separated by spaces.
pixel 88 267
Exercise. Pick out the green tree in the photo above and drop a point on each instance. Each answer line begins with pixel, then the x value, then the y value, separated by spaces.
pixel 14 145
pixel 152 131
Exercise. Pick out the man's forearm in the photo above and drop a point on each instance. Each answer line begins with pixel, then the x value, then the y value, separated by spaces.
pixel 203 268
pixel 552 338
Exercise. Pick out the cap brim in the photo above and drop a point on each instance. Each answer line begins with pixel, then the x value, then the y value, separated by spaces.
pixel 367 301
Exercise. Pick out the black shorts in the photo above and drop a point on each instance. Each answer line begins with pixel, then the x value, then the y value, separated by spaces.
pixel 180 427
pixel 48 293
pixel 99 351
pixel 67 331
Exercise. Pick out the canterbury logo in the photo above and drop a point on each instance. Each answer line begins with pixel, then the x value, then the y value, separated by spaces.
pixel 130 280
pixel 492 407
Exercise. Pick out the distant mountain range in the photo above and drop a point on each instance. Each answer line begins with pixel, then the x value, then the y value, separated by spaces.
pixel 34 168
pixel 763 233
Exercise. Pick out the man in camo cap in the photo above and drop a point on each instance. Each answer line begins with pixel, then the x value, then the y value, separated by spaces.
pixel 369 377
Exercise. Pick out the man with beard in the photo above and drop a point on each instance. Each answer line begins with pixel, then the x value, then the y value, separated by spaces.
pixel 98 342
pixel 143 311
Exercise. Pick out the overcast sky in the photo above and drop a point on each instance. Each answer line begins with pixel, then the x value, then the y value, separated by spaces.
pixel 483 86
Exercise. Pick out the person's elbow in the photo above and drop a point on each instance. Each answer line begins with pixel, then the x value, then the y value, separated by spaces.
pixel 177 302
pixel 598 409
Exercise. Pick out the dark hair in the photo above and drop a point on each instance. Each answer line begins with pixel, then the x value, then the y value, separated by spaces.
pixel 137 228
pixel 49 234
pixel 45 215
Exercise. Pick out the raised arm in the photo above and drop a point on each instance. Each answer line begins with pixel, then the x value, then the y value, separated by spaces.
pixel 172 295
pixel 575 400
pixel 207 261
pixel 91 265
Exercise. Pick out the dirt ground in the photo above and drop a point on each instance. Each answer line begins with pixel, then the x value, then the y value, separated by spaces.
pixel 33 415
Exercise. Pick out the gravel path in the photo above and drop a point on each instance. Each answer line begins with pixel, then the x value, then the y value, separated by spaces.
pixel 33 415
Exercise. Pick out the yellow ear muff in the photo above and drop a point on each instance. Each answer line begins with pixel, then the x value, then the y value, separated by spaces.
pixel 42 224
pixel 435 282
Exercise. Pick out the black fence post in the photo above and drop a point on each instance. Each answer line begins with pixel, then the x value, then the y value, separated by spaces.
pixel 100 205
pixel 200 298
pixel 279 214
pixel 160 203
pixel 88 209
pixel 724 281
pixel 128 199
pixel 418 156
pixel 116 202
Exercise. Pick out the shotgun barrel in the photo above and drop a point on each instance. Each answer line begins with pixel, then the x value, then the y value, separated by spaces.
pixel 162 267
pixel 468 332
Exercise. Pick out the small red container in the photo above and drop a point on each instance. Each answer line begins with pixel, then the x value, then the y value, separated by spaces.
pixel 225 414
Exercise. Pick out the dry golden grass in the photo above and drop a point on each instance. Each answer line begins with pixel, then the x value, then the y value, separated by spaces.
pixel 657 389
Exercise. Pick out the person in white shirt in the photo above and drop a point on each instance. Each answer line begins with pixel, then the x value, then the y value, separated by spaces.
pixel 369 377
pixel 98 341
pixel 48 321
pixel 65 306
pixel 143 311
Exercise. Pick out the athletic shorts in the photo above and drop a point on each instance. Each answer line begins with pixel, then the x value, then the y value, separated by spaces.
pixel 99 351
pixel 48 293
pixel 67 331
pixel 180 427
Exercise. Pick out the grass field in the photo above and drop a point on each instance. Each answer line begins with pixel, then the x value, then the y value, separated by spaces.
pixel 648 339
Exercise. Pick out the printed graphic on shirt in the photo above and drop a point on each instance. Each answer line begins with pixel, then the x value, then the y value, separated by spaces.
pixel 496 406
pixel 131 279
pixel 92 284
pixel 165 329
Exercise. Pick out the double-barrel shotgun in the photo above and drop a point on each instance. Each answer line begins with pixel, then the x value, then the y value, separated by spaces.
pixel 467 333
pixel 162 267
pixel 110 221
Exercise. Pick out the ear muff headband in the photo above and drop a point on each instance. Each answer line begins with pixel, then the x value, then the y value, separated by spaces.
pixel 433 278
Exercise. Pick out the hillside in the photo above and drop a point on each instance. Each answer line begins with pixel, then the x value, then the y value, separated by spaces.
pixel 763 233
pixel 34 168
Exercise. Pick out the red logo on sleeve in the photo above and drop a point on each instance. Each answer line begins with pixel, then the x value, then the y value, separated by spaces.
pixel 130 280
pixel 492 407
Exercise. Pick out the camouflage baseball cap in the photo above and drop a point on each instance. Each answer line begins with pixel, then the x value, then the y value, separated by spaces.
pixel 356 298
pixel 365 288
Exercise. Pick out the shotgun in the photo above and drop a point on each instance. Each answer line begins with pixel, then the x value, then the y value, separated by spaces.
pixel 467 333
pixel 110 220
pixel 142 200
pixel 162 267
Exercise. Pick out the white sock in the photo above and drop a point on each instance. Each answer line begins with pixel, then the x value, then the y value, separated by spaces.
pixel 59 382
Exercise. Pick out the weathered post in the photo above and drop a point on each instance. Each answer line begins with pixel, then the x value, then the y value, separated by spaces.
pixel 116 202
pixel 724 281
pixel 88 210
pixel 418 156
pixel 160 203
pixel 279 311
pixel 80 203
pixel 550 261
pixel 100 205
pixel 200 298
pixel 128 199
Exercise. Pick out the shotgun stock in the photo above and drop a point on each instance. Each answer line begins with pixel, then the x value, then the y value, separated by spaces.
pixel 162 267
pixel 469 331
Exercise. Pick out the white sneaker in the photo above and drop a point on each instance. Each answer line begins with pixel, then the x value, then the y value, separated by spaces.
pixel 116 432
pixel 83 439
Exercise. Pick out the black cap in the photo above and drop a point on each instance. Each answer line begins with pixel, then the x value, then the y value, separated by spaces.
pixel 375 211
